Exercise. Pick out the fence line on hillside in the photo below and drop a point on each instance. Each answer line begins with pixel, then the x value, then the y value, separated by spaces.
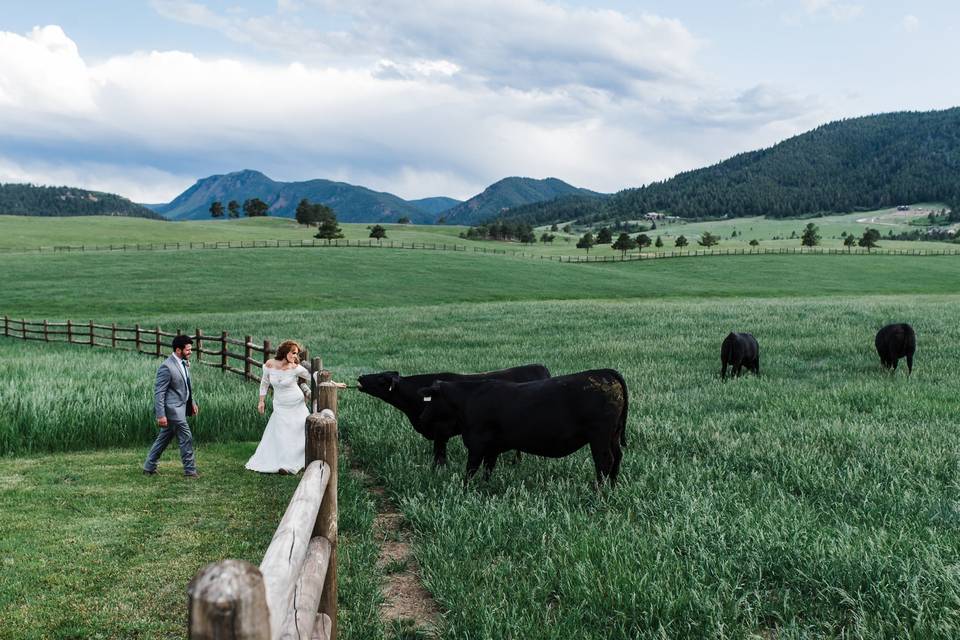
pixel 240 357
pixel 435 246
pixel 293 593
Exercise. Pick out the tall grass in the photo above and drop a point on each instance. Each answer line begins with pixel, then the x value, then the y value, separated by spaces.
pixel 818 500
pixel 60 397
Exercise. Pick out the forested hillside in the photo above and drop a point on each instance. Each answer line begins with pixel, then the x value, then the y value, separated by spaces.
pixel 850 165
pixel 30 200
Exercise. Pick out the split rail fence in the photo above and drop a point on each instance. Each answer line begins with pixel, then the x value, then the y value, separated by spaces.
pixel 434 246
pixel 293 593
pixel 242 357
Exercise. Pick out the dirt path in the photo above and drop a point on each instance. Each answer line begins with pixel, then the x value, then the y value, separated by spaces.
pixel 408 609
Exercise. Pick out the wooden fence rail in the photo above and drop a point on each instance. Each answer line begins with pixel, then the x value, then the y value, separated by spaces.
pixel 152 341
pixel 293 593
pixel 441 246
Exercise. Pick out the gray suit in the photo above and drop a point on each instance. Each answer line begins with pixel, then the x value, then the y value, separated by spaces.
pixel 173 398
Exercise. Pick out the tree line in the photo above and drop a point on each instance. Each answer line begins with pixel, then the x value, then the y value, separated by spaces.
pixel 30 200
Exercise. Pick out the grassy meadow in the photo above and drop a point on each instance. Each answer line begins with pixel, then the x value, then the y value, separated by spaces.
pixel 818 500
pixel 26 233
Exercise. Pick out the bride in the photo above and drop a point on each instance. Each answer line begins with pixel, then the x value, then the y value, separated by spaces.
pixel 281 448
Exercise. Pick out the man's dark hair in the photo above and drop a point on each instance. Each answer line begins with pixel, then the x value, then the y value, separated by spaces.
pixel 179 342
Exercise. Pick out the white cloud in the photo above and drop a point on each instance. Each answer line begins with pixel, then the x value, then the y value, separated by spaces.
pixel 138 183
pixel 911 23
pixel 147 124
pixel 839 11
pixel 524 44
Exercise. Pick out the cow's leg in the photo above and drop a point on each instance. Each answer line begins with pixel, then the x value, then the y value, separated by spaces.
pixel 756 366
pixel 909 364
pixel 893 364
pixel 736 370
pixel 602 459
pixel 439 452
pixel 516 458
pixel 474 458
pixel 489 462
pixel 617 457
pixel 723 370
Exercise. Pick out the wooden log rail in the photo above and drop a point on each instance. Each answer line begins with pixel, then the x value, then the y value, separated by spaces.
pixel 244 361
pixel 293 593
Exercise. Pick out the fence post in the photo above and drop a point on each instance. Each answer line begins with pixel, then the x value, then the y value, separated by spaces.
pixel 158 341
pixel 69 331
pixel 322 445
pixel 223 350
pixel 199 338
pixel 46 331
pixel 90 325
pixel 6 325
pixel 326 392
pixel 266 351
pixel 136 337
pixel 316 365
pixel 23 328
pixel 247 354
pixel 227 600
pixel 113 336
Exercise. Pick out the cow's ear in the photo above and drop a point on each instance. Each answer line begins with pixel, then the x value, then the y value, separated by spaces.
pixel 394 380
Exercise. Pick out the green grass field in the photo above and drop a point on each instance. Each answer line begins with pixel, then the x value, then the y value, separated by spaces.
pixel 819 500
pixel 26 233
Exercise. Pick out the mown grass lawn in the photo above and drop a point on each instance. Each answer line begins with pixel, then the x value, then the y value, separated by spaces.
pixel 91 548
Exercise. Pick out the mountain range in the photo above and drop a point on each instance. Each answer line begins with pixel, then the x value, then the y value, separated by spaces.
pixel 358 204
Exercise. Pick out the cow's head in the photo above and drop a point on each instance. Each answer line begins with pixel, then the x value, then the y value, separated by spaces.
pixel 379 385
pixel 439 415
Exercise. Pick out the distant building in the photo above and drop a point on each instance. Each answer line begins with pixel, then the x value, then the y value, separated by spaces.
pixel 903 207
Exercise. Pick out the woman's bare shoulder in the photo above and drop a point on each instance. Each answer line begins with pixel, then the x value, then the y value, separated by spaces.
pixel 271 364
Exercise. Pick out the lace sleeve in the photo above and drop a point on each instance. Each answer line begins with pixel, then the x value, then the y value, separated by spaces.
pixel 264 381
pixel 302 372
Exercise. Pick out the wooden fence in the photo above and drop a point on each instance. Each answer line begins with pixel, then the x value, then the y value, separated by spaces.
pixel 242 357
pixel 293 594
pixel 436 246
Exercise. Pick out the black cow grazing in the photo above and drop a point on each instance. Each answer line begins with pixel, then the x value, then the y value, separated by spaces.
pixel 739 350
pixel 551 418
pixel 402 393
pixel 895 341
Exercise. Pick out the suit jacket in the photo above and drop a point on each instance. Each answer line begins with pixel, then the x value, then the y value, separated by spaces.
pixel 172 396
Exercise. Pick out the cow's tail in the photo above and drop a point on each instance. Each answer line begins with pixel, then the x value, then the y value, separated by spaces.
pixel 623 412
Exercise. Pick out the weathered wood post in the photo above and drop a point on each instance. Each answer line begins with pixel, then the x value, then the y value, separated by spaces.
pixel 199 338
pixel 136 337
pixel 113 335
pixel 316 365
pixel 326 392
pixel 227 601
pixel 90 325
pixel 266 351
pixel 247 354
pixel 6 325
pixel 69 331
pixel 158 341
pixel 46 331
pixel 322 444
pixel 223 350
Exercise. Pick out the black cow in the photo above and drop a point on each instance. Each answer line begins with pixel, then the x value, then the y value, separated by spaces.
pixel 551 418
pixel 895 341
pixel 739 350
pixel 402 393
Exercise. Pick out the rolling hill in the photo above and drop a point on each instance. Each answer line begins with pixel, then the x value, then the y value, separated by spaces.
pixel 857 164
pixel 31 200
pixel 511 192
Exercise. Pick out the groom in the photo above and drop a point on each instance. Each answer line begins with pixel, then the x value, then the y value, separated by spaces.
pixel 173 402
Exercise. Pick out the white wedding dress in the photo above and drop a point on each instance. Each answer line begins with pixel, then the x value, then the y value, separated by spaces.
pixel 284 440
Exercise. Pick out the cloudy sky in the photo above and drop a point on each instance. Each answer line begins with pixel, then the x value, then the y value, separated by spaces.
pixel 443 97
